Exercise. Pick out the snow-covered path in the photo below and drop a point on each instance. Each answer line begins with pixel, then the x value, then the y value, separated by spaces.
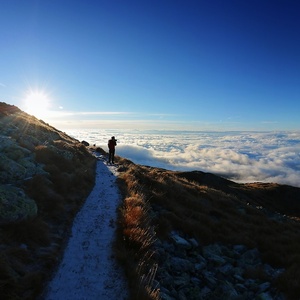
pixel 88 271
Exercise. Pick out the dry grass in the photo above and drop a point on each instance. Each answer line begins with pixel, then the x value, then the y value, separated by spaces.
pixel 211 209
pixel 136 237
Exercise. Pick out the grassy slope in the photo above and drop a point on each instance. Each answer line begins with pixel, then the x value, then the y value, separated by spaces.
pixel 211 209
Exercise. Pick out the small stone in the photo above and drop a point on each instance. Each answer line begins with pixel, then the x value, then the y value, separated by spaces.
pixel 165 296
pixel 204 292
pixel 182 281
pixel 264 287
pixel 23 246
pixel 194 243
pixel 180 264
pixel 264 296
pixel 239 248
pixel 180 242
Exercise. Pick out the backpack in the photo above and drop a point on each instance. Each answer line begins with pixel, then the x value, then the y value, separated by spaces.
pixel 111 144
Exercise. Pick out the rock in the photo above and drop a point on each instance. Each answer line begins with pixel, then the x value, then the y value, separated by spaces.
pixel 194 243
pixel 204 292
pixel 249 258
pixel 16 162
pixel 180 264
pixel 28 142
pixel 271 272
pixel 213 253
pixel 210 278
pixel 181 295
pixel 196 281
pixel 264 287
pixel 182 280
pixel 239 248
pixel 15 206
pixel 228 289
pixel 31 168
pixel 168 247
pixel 226 269
pixel 238 277
pixel 165 279
pixel 200 266
pixel 10 170
pixel 165 296
pixel 250 284
pixel 214 249
pixel 180 242
pixel 264 296
pixel 216 259
pixel 85 143
pixel 240 288
pixel 23 246
pixel 6 143
pixel 213 272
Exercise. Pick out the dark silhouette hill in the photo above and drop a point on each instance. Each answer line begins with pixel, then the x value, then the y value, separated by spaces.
pixel 284 199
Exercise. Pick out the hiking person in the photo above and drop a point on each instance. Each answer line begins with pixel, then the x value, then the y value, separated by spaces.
pixel 112 143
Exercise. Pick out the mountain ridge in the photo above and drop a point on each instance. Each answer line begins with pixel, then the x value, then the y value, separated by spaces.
pixel 57 172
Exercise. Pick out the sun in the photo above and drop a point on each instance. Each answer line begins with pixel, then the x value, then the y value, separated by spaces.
pixel 37 103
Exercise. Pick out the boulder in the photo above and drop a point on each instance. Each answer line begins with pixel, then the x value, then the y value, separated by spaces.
pixel 10 170
pixel 85 143
pixel 15 206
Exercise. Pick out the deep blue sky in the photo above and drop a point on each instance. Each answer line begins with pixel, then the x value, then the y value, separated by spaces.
pixel 219 65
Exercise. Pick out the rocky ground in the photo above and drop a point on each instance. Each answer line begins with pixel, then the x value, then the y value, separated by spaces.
pixel 188 271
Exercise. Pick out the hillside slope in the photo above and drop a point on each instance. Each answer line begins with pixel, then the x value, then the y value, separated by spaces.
pixel 199 236
pixel 45 176
pixel 181 235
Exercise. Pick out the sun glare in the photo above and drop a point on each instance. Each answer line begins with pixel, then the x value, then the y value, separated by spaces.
pixel 37 103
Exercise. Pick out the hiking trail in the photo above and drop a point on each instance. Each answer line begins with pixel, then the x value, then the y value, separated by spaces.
pixel 88 269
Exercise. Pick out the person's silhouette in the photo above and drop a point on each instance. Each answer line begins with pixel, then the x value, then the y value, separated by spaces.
pixel 112 143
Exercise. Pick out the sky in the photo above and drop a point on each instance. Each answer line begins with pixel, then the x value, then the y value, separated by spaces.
pixel 186 65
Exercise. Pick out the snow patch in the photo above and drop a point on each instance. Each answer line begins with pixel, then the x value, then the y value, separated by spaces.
pixel 88 269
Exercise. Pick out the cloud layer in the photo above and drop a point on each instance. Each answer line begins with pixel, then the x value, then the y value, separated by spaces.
pixel 239 156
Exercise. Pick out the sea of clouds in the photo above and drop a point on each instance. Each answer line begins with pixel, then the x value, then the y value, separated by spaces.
pixel 239 156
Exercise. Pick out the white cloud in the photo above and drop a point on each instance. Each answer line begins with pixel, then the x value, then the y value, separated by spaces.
pixel 241 156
